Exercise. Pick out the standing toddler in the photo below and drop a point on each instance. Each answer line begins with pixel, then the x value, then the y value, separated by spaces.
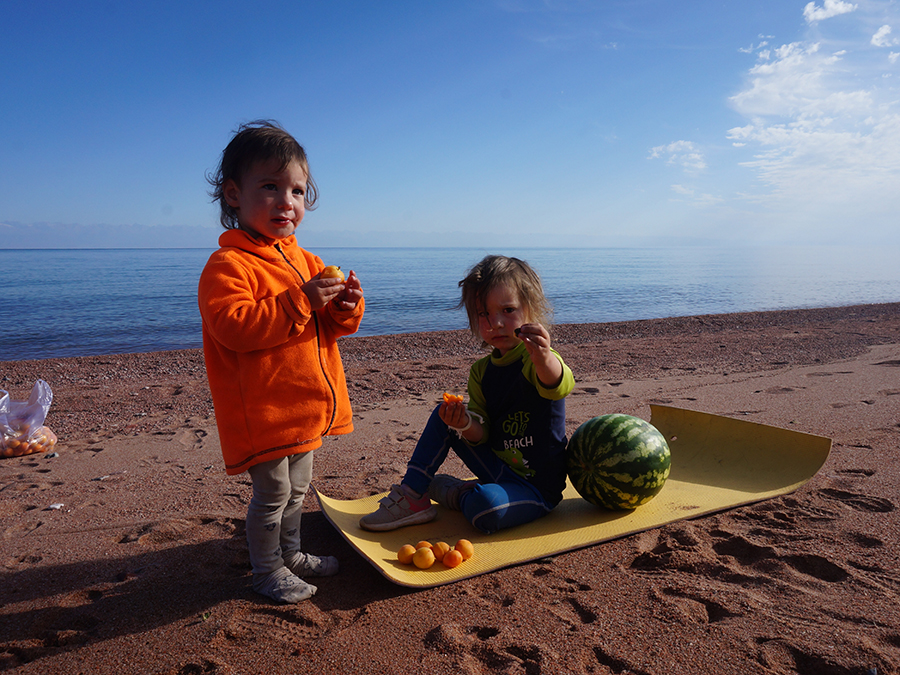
pixel 270 330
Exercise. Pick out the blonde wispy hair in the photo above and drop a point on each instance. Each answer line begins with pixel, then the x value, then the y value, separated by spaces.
pixel 498 270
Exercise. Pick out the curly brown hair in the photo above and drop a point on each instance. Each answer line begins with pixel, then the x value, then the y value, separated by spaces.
pixel 257 141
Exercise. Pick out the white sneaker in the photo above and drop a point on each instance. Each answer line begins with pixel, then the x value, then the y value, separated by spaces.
pixel 398 509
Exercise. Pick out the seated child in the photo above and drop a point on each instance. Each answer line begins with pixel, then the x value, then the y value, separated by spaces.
pixel 512 433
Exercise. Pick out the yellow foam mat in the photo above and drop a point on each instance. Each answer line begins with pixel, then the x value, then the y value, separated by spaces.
pixel 717 463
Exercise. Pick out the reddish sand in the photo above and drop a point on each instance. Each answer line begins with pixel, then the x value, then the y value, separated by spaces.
pixel 144 568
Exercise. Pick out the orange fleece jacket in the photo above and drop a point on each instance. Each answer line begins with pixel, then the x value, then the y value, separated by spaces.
pixel 273 364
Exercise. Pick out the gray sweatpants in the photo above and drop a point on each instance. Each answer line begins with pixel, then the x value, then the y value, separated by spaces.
pixel 273 517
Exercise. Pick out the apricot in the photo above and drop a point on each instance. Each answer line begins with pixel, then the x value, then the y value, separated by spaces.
pixel 26 442
pixel 332 272
pixel 440 550
pixel 452 558
pixel 423 544
pixel 464 546
pixel 452 398
pixel 406 553
pixel 423 558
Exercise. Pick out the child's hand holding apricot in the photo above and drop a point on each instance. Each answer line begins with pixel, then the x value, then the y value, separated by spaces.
pixel 321 291
pixel 332 272
pixel 453 411
pixel 351 294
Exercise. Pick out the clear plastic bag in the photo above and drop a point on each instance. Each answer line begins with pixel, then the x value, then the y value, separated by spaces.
pixel 22 430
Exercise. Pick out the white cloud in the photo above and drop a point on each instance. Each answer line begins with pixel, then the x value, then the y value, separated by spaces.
pixel 892 57
pixel 680 153
pixel 793 83
pixel 830 8
pixel 689 194
pixel 815 164
pixel 751 48
pixel 823 128
pixel 882 37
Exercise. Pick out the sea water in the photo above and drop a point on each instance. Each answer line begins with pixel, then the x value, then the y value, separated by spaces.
pixel 79 302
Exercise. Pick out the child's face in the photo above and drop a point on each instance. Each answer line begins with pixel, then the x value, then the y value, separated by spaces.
pixel 269 202
pixel 499 318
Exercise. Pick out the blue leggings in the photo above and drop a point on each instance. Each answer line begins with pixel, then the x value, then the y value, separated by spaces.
pixel 501 500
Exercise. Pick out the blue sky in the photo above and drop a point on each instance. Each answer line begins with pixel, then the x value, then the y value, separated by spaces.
pixel 464 123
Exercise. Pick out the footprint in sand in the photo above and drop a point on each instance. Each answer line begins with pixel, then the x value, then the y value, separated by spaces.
pixel 29 559
pixel 695 608
pixel 585 614
pixel 191 437
pixel 569 588
pixel 817 567
pixel 286 625
pixel 205 666
pixel 21 529
pixel 858 502
pixel 232 501
pixel 779 390
pixel 484 644
pixel 761 557
pixel 778 655
pixel 866 541
pixel 177 529
pixel 614 664
pixel 857 473
pixel 809 512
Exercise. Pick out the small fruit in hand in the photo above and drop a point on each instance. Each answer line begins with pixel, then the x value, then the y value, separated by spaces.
pixel 406 553
pixel 423 558
pixel 440 550
pixel 452 398
pixel 464 546
pixel 332 272
pixel 452 558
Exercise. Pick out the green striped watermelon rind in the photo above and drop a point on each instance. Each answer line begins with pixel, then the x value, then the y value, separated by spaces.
pixel 618 461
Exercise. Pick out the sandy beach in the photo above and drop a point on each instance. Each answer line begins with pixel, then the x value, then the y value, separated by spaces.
pixel 144 568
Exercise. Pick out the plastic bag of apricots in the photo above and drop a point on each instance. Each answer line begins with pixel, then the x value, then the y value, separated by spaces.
pixel 22 430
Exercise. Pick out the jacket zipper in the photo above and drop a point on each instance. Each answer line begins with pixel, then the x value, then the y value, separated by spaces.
pixel 315 318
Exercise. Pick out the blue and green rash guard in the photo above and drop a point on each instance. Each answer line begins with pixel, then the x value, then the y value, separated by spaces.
pixel 524 422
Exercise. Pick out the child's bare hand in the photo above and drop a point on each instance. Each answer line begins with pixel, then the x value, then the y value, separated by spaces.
pixel 535 337
pixel 537 342
pixel 322 291
pixel 454 414
pixel 352 293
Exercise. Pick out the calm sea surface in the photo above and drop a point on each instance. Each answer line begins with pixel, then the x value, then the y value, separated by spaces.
pixel 57 303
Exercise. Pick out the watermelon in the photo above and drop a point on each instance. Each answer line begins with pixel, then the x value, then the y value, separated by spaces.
pixel 618 461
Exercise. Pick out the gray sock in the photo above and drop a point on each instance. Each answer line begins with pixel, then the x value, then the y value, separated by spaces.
pixel 283 586
pixel 306 565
